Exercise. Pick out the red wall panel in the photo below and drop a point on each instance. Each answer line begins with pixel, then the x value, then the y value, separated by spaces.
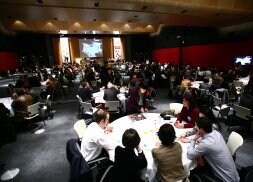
pixel 215 55
pixel 170 55
pixel 8 61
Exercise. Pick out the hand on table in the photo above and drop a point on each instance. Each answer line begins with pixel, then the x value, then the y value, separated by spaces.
pixel 138 148
pixel 197 137
pixel 109 128
pixel 184 140
pixel 157 144
pixel 178 124
pixel 142 110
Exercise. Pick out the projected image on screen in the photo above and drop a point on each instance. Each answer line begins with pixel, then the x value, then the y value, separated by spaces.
pixel 91 48
pixel 243 60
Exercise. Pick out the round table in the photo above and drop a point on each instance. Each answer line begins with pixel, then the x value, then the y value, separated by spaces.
pixel 147 128
pixel 99 98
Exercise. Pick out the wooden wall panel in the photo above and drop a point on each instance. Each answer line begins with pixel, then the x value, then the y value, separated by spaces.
pixel 56 51
pixel 74 48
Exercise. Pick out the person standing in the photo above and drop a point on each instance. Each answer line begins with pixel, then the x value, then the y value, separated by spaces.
pixel 137 99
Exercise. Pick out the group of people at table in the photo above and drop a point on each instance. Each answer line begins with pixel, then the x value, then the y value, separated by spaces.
pixel 206 146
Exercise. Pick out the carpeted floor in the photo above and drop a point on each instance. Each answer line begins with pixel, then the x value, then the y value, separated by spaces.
pixel 42 158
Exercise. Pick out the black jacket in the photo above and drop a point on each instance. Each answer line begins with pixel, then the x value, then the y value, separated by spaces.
pixel 127 164
pixel 79 168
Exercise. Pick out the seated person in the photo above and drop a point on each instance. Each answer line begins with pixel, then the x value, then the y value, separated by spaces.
pixel 218 161
pixel 85 91
pixel 127 164
pixel 189 112
pixel 111 92
pixel 51 84
pixel 185 84
pixel 246 99
pixel 205 85
pixel 96 137
pixel 136 102
pixel 21 101
pixel 217 83
pixel 20 104
pixel 183 137
pixel 168 156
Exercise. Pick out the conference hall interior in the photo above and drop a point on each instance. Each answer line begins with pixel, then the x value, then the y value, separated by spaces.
pixel 50 50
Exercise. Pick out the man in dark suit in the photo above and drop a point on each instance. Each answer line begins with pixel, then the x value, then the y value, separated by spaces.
pixel 85 92
pixel 111 92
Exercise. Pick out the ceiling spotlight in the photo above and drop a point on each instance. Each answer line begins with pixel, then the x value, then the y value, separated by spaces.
pixel 144 7
pixel 40 1
pixel 96 4
pixel 184 11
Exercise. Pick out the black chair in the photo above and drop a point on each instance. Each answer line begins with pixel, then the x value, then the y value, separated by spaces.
pixel 249 176
pixel 114 108
pixel 197 177
pixel 80 169
pixel 246 174
pixel 108 175
pixel 220 111
pixel 241 117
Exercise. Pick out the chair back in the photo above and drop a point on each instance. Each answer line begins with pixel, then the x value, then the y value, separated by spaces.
pixel 177 107
pixel 34 109
pixel 48 101
pixel 94 83
pixel 87 107
pixel 79 168
pixel 249 176
pixel 235 140
pixel 172 78
pixel 242 112
pixel 224 112
pixel 80 127
pixel 112 106
pixel 79 99
pixel 126 80
pixel 237 83
pixel 217 101
pixel 223 94
pixel 35 93
pixel 108 175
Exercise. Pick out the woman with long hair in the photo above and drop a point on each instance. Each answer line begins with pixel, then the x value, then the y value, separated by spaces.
pixel 189 112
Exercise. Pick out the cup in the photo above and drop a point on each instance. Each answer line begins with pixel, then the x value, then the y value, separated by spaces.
pixel 172 112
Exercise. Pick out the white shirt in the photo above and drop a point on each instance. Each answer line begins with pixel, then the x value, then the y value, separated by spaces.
pixel 94 140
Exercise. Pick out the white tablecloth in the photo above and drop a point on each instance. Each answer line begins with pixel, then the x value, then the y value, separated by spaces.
pixel 99 98
pixel 196 84
pixel 244 80
pixel 147 130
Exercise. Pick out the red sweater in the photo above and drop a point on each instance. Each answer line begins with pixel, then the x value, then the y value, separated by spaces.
pixel 188 116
